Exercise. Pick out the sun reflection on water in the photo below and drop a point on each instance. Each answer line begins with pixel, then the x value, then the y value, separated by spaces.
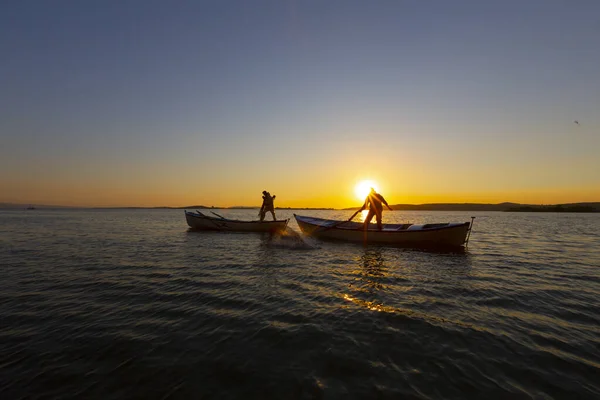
pixel 361 216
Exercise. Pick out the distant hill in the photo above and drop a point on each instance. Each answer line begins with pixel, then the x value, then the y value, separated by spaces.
pixel 451 207
pixel 573 207
pixel 455 207
pixel 515 207
pixel 17 206
pixel 591 207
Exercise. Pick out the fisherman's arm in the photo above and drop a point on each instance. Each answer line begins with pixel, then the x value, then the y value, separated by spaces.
pixel 386 204
pixel 364 206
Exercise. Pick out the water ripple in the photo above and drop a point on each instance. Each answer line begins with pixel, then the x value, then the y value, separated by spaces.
pixel 130 304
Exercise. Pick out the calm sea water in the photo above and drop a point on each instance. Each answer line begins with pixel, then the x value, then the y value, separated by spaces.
pixel 121 304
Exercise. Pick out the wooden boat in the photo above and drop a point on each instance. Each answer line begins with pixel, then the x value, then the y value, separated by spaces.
pixel 199 221
pixel 427 235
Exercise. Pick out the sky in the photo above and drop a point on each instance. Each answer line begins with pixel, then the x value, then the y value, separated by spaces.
pixel 160 103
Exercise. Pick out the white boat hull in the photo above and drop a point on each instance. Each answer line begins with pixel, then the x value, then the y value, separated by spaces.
pixel 437 235
pixel 199 221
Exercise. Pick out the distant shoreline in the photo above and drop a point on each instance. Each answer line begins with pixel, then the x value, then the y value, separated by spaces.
pixel 557 208
pixel 589 207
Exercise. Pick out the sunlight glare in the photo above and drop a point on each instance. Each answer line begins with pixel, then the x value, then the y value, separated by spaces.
pixel 362 188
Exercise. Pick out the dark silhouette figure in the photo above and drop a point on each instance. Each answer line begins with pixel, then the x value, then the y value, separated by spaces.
pixel 267 205
pixel 374 202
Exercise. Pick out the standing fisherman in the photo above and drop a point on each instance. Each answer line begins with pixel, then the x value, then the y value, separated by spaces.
pixel 374 202
pixel 267 205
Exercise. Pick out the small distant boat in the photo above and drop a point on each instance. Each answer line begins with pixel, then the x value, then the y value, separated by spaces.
pixel 200 221
pixel 30 208
pixel 427 235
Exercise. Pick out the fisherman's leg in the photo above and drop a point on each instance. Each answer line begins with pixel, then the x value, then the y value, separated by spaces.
pixel 368 220
pixel 273 213
pixel 262 216
pixel 378 218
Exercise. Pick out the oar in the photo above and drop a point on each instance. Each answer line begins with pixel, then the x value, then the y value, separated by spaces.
pixel 341 222
pixel 354 215
pixel 218 215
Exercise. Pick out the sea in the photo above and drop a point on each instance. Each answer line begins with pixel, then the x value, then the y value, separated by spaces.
pixel 131 304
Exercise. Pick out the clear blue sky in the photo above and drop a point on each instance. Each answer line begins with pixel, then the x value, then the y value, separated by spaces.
pixel 158 102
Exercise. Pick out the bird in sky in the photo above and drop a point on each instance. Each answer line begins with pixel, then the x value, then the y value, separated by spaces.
pixel 576 122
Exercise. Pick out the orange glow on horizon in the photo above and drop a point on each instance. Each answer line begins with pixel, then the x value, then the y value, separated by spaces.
pixel 341 191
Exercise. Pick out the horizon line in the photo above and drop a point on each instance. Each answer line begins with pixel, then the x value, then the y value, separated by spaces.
pixel 25 205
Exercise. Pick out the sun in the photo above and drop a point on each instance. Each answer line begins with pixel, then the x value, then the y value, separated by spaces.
pixel 362 188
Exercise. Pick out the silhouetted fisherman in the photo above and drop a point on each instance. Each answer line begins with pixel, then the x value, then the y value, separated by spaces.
pixel 374 202
pixel 267 205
